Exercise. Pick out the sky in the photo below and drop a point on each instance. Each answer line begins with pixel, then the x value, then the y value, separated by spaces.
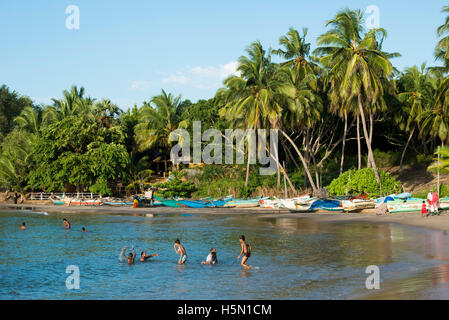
pixel 127 51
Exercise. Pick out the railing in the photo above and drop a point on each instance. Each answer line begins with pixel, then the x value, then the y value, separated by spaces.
pixel 79 195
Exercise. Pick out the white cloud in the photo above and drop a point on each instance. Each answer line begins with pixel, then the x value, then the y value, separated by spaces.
pixel 140 85
pixel 203 77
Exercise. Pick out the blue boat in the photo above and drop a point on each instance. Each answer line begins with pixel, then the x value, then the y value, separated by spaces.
pixel 195 204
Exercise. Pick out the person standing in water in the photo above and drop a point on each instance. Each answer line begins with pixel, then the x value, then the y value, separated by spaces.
pixel 245 251
pixel 131 256
pixel 144 257
pixel 179 248
pixel 65 223
pixel 212 257
pixel 23 227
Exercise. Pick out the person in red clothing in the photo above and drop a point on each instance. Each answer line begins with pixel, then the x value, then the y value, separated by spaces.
pixel 424 209
pixel 435 202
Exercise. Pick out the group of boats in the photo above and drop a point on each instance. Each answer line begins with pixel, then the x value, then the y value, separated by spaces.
pixel 306 203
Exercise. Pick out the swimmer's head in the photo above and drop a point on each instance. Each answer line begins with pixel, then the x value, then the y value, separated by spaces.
pixel 177 241
pixel 130 255
pixel 142 254
pixel 64 219
pixel 242 238
pixel 213 250
pixel 23 223
pixel 84 229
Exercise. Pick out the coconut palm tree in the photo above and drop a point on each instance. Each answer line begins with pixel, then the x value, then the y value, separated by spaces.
pixel 157 119
pixel 353 56
pixel 416 93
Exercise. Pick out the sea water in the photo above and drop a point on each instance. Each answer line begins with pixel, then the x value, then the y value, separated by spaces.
pixel 296 258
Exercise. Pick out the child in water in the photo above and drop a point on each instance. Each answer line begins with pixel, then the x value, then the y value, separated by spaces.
pixel 212 257
pixel 65 223
pixel 131 256
pixel 23 227
pixel 144 257
pixel 246 251
pixel 179 248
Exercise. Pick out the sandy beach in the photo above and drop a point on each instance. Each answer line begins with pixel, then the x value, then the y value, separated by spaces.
pixel 405 218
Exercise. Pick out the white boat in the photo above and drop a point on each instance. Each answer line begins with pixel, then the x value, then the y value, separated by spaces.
pixel 301 204
pixel 358 204
pixel 269 204
pixel 82 202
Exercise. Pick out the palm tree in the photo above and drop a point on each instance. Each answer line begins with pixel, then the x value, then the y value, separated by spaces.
pixel 158 118
pixel 354 57
pixel 416 96
pixel 442 48
pixel 72 103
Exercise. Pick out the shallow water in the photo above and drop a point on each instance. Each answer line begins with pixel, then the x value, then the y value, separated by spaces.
pixel 296 258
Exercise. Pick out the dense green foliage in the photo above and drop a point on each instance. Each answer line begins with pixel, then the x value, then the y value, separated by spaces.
pixel 176 187
pixel 356 181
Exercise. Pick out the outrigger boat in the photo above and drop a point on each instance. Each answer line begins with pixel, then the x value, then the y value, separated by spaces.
pixel 358 204
pixel 245 203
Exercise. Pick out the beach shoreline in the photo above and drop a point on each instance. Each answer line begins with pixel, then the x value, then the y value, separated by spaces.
pixel 405 218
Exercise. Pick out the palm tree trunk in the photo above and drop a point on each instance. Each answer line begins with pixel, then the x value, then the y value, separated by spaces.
pixel 344 143
pixel 370 133
pixel 359 147
pixel 247 169
pixel 405 148
pixel 309 176
pixel 368 143
pixel 276 154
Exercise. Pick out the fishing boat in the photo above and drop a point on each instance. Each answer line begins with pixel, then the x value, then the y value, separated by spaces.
pixel 327 205
pixel 57 202
pixel 269 204
pixel 414 205
pixel 118 203
pixel 300 204
pixel 82 202
pixel 245 203
pixel 358 204
pixel 172 203
pixel 195 204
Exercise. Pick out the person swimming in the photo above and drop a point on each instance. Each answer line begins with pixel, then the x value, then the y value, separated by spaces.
pixel 23 227
pixel 179 248
pixel 83 229
pixel 212 257
pixel 131 256
pixel 144 257
pixel 245 251
pixel 65 223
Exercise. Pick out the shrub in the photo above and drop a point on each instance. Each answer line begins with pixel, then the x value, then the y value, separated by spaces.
pixel 176 187
pixel 356 181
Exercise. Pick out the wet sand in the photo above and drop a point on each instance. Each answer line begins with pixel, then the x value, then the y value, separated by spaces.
pixel 406 218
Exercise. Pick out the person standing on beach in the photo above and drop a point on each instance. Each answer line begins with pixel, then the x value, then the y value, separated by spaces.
pixel 65 223
pixel 179 248
pixel 424 209
pixel 245 250
pixel 435 202
pixel 429 200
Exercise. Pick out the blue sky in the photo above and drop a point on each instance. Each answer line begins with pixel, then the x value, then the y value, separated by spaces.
pixel 128 50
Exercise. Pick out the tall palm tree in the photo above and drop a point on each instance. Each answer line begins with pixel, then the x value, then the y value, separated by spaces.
pixel 442 48
pixel 355 58
pixel 416 96
pixel 158 118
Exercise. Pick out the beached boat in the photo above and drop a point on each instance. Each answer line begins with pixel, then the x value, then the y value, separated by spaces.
pixel 358 204
pixel 301 204
pixel 327 205
pixel 245 203
pixel 118 203
pixel 269 204
pixel 82 202
pixel 414 205
pixel 195 204
pixel 57 202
